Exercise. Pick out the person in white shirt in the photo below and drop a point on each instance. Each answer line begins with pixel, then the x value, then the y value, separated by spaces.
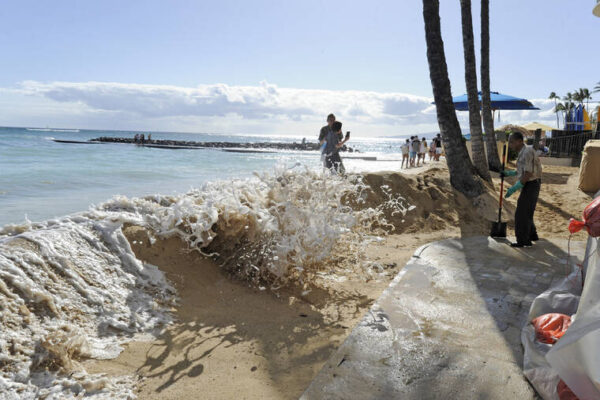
pixel 405 150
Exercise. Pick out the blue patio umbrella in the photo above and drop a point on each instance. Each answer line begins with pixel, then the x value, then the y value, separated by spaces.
pixel 499 102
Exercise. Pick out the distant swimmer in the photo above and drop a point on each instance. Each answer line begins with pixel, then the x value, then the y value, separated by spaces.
pixel 333 143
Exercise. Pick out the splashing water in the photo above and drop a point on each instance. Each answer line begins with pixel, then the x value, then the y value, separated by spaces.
pixel 72 288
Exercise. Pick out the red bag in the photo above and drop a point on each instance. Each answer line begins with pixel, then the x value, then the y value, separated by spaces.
pixel 565 392
pixel 591 219
pixel 550 327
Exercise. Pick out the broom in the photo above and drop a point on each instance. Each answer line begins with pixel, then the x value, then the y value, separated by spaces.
pixel 499 228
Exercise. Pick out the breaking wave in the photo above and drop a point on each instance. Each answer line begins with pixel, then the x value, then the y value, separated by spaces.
pixel 72 288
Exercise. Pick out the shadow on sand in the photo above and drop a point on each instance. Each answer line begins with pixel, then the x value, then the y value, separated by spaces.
pixel 224 327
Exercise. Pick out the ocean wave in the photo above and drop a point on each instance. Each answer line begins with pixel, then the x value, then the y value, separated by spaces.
pixel 73 289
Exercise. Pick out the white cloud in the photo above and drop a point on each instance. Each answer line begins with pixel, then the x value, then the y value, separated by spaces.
pixel 264 108
pixel 220 100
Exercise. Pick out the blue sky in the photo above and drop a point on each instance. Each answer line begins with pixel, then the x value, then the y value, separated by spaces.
pixel 272 66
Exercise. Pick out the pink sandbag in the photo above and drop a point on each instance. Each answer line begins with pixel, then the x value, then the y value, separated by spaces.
pixel 591 219
pixel 565 392
pixel 550 327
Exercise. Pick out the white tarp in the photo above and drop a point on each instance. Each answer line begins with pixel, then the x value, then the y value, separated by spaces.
pixel 574 358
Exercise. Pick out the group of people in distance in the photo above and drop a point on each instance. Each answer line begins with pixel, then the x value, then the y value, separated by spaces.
pixel 331 140
pixel 415 149
pixel 140 138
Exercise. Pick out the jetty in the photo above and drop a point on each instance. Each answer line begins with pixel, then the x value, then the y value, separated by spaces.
pixel 245 147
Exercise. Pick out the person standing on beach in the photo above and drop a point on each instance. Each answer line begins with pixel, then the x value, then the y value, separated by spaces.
pixel 415 146
pixel 438 147
pixel 327 128
pixel 431 149
pixel 333 144
pixel 323 134
pixel 422 151
pixel 405 150
pixel 529 179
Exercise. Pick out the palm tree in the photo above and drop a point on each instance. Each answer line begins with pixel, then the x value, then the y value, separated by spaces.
pixel 486 102
pixel 560 107
pixel 568 99
pixel 477 149
pixel 462 173
pixel 597 88
pixel 578 96
pixel 554 97
pixel 587 97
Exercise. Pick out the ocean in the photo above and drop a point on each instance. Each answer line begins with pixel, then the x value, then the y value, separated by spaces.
pixel 41 179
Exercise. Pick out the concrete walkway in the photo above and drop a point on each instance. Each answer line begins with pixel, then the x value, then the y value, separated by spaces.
pixel 448 327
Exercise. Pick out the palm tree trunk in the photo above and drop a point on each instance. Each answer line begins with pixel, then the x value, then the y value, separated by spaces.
pixel 462 172
pixel 477 149
pixel 486 102
pixel 556 112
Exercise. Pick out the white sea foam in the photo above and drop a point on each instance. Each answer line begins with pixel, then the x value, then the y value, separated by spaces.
pixel 72 288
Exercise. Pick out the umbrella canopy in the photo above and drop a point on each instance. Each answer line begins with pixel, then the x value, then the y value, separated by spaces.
pixel 499 102
pixel 532 126
pixel 516 128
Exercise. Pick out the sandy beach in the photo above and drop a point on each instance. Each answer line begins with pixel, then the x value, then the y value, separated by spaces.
pixel 233 340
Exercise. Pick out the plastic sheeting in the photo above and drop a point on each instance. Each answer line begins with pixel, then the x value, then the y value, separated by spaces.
pixel 562 298
pixel 574 358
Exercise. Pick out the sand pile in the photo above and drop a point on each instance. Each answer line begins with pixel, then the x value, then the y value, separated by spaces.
pixel 438 205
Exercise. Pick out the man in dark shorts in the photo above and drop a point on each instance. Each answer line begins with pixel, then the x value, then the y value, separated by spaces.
pixel 529 174
pixel 333 144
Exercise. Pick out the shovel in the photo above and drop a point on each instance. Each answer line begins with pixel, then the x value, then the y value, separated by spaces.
pixel 499 228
